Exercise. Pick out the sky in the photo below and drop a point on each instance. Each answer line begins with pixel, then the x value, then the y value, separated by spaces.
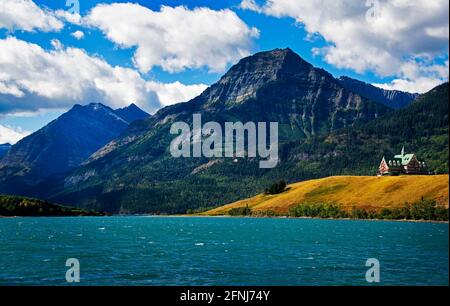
pixel 57 53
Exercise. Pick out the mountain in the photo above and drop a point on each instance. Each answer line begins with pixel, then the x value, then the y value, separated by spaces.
pixel 61 145
pixel 4 148
pixel 392 98
pixel 136 173
pixel 279 85
pixel 131 113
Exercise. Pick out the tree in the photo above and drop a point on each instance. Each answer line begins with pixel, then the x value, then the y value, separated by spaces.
pixel 276 188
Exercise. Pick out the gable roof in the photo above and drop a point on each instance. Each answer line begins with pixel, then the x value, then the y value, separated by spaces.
pixel 405 159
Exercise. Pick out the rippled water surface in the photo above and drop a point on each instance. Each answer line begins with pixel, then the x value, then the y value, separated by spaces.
pixel 220 251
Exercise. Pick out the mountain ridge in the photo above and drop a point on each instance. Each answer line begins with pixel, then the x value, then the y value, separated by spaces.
pixel 131 113
pixel 392 98
pixel 251 80
pixel 59 146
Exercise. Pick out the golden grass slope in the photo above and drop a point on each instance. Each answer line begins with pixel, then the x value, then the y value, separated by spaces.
pixel 365 192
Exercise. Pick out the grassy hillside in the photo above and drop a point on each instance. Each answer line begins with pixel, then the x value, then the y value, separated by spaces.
pixel 348 192
pixel 26 207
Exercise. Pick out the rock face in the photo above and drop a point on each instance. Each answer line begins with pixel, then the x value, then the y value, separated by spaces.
pixel 392 98
pixel 136 172
pixel 4 148
pixel 279 85
pixel 61 145
pixel 244 80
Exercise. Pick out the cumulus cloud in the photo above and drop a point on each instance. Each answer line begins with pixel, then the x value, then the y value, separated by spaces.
pixel 250 5
pixel 32 79
pixel 420 85
pixel 422 78
pixel 70 17
pixel 78 35
pixel 391 38
pixel 25 15
pixel 171 93
pixel 11 135
pixel 175 38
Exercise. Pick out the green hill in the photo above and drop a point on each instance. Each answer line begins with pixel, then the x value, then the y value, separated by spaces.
pixel 25 207
pixel 422 127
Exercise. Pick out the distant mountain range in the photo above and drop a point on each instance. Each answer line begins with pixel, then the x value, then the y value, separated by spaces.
pixel 4 148
pixel 63 144
pixel 392 98
pixel 326 128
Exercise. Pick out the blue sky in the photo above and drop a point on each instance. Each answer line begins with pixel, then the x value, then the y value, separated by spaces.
pixel 357 40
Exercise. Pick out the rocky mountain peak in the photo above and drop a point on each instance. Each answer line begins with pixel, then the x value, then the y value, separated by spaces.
pixel 131 113
pixel 245 78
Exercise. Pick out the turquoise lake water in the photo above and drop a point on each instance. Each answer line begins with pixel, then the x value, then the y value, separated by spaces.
pixel 221 251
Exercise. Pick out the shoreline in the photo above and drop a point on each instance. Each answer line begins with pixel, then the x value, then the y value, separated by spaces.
pixel 312 218
pixel 236 217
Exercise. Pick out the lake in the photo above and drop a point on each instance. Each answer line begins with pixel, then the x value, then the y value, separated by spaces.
pixel 221 251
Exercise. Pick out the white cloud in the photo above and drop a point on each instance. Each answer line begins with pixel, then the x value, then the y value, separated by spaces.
pixel 250 5
pixel 11 135
pixel 172 93
pixel 70 17
pixel 56 44
pixel 27 16
pixel 78 35
pixel 9 89
pixel 32 78
pixel 176 38
pixel 402 39
pixel 418 83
